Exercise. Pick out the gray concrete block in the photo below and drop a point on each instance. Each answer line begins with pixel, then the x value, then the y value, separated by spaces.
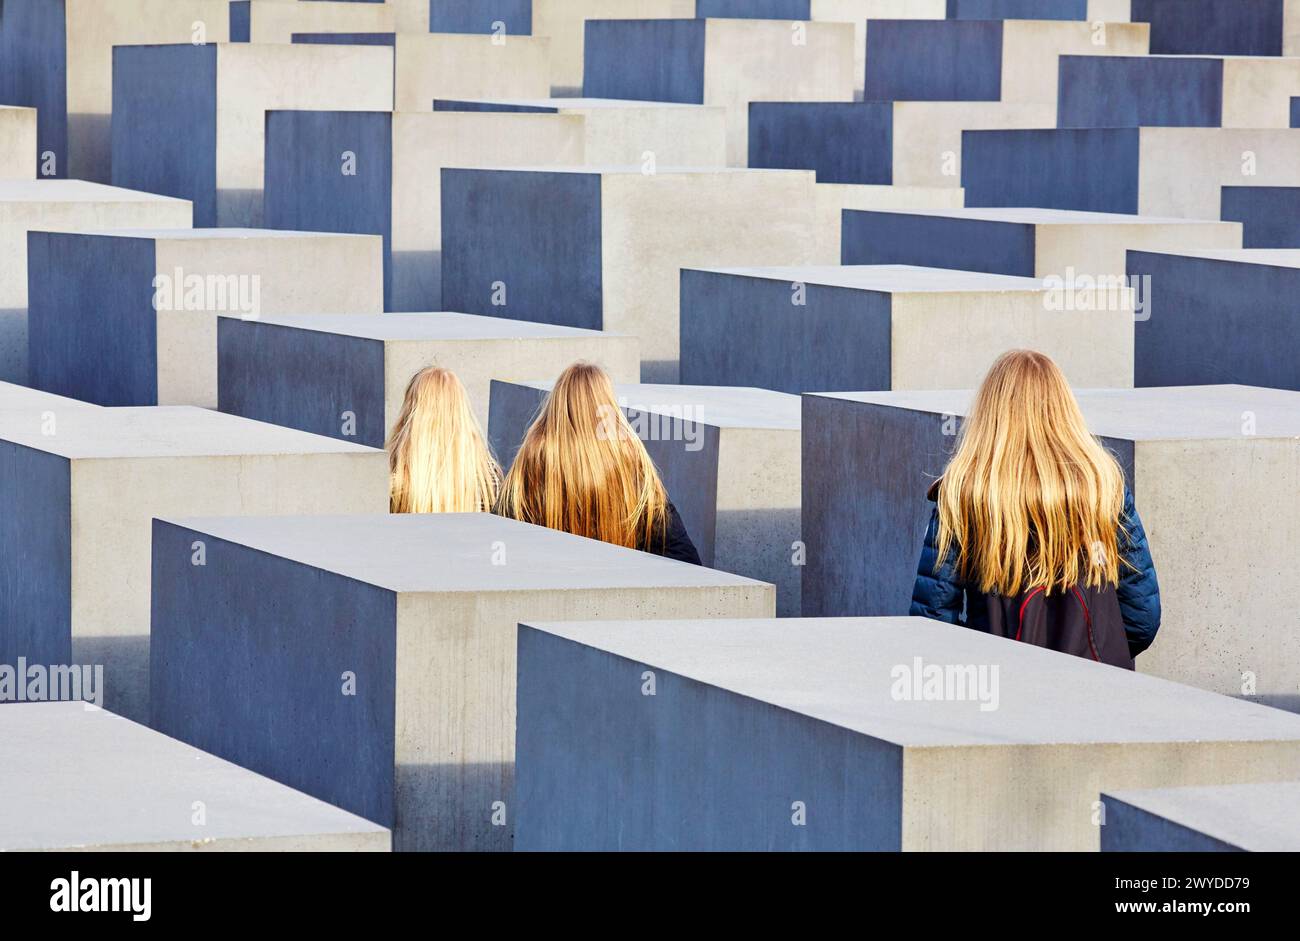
pixel 851 734
pixel 1208 466
pixel 729 458
pixel 61 206
pixel 82 486
pixel 129 317
pixel 17 143
pixel 418 614
pixel 77 778
pixel 806 329
pixel 1258 818
pixel 346 376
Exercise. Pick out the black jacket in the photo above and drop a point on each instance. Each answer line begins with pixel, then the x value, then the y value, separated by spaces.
pixel 676 542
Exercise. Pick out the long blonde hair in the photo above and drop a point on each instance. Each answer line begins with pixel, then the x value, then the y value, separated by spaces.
pixel 1030 499
pixel 438 461
pixel 582 469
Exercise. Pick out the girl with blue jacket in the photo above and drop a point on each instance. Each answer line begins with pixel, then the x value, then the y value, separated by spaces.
pixel 1032 508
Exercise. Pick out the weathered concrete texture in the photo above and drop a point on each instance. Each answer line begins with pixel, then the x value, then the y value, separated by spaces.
pixel 985 60
pixel 1029 243
pixel 448 65
pixel 17 143
pixel 916 143
pixel 383 679
pixel 1219 317
pixel 727 62
pixel 1259 818
pixel 619 131
pixel 1177 91
pixel 275 21
pixel 729 458
pixel 819 735
pixel 345 376
pixel 857 12
pixel 220 94
pixel 1152 171
pixel 891 327
pixel 60 206
pixel 1270 215
pixel 1222 27
pixel 393 187
pixel 57 56
pixel 603 248
pixel 15 398
pixel 82 486
pixel 73 778
pixel 129 317
pixel 869 458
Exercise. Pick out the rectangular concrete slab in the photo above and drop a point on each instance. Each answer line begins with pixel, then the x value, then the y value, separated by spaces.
pixel 1218 316
pixel 346 376
pixel 129 317
pixel 851 734
pixel 1258 818
pixel 57 56
pixel 82 488
pixel 394 643
pixel 1269 215
pixel 602 248
pixel 985 60
pixel 916 143
pixel 870 457
pixel 61 206
pixel 856 12
pixel 1177 91
pixel 1151 171
pixel 220 93
pixel 727 62
pixel 392 184
pixel 76 778
pixel 729 458
pixel 622 132
pixel 17 143
pixel 1221 27
pixel 1030 243
pixel 892 327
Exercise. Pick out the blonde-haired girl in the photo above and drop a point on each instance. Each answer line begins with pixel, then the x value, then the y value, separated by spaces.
pixel 1034 533
pixel 438 460
pixel 582 469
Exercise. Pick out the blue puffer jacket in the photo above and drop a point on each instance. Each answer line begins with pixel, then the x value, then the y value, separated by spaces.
pixel 941 595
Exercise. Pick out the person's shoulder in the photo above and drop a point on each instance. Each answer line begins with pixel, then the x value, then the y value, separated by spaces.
pixel 932 494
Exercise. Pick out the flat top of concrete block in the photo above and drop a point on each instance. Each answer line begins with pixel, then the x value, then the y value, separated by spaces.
pixel 889 279
pixel 454 552
pixel 74 191
pixel 578 104
pixel 221 235
pixel 164 431
pixel 14 396
pixel 72 776
pixel 435 325
pixel 1034 216
pixel 637 170
pixel 1255 817
pixel 1146 414
pixel 859 673
pixel 1276 257
pixel 721 406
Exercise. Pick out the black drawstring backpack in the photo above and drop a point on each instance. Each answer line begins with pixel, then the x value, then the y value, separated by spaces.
pixel 1085 622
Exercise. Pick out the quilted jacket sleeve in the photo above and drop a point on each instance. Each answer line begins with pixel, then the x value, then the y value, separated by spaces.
pixel 1139 591
pixel 936 594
